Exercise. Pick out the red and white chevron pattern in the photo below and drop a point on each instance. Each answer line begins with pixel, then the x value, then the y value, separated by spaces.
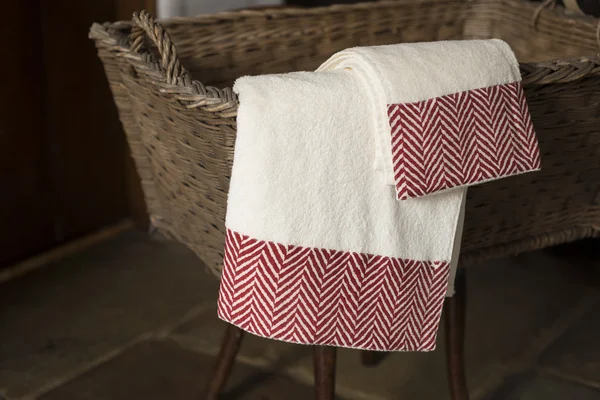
pixel 461 139
pixel 328 297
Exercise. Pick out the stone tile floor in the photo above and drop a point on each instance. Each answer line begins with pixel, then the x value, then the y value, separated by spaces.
pixel 133 318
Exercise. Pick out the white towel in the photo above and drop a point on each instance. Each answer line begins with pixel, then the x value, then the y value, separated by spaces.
pixel 461 97
pixel 318 248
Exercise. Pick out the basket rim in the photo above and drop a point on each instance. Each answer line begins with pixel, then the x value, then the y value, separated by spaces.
pixel 192 93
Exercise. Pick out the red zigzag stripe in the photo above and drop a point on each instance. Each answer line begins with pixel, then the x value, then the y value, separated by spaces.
pixel 461 139
pixel 328 297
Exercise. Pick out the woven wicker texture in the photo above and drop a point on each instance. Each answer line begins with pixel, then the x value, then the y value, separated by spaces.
pixel 182 132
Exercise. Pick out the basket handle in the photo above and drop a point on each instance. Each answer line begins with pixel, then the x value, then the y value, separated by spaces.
pixel 143 23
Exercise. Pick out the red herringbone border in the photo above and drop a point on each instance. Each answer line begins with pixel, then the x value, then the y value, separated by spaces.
pixel 328 297
pixel 461 139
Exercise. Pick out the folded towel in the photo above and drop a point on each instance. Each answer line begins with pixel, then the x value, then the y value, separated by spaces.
pixel 318 250
pixel 447 114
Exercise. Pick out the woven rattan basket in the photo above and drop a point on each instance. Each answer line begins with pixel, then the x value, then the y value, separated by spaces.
pixel 182 131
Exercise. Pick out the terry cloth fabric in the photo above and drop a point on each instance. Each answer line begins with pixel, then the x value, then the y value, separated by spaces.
pixel 318 250
pixel 447 114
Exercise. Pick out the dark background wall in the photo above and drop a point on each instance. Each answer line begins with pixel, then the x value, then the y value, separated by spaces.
pixel 64 167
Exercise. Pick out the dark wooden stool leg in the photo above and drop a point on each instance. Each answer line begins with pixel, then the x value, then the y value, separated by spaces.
pixel 372 358
pixel 225 360
pixel 454 310
pixel 324 358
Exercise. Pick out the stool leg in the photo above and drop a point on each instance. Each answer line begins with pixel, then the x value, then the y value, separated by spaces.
pixel 225 360
pixel 454 310
pixel 324 358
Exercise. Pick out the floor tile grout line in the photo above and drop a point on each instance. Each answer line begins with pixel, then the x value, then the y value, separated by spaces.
pixel 159 333
pixel 492 383
pixel 167 330
pixel 560 327
pixel 544 340
pixel 74 374
pixel 183 342
pixel 568 377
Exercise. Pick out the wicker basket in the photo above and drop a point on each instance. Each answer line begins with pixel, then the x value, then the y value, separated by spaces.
pixel 181 132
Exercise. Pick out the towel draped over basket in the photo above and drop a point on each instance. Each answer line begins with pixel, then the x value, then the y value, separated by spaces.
pixel 348 187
